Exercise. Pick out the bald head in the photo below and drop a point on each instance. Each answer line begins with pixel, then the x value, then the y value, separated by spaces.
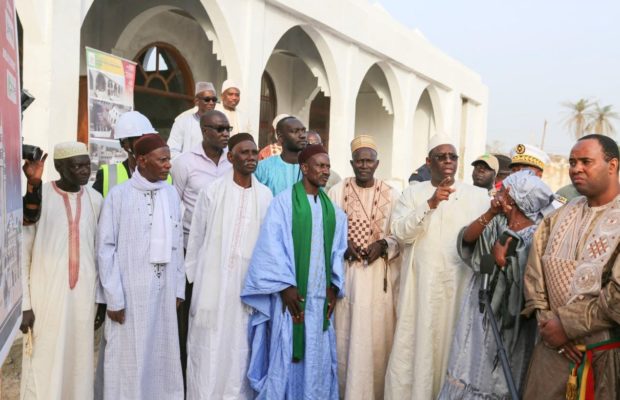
pixel 210 116
pixel 313 137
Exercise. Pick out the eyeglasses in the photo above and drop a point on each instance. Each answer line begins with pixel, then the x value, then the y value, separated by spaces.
pixel 208 99
pixel 445 157
pixel 220 129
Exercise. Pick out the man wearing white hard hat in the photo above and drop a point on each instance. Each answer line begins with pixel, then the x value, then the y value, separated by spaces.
pixel 186 133
pixel 129 127
pixel 59 280
pixel 231 96
pixel 426 221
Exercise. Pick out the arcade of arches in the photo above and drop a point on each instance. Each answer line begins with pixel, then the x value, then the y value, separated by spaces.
pixel 342 81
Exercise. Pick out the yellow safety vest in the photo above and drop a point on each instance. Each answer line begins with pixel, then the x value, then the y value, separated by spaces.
pixel 116 175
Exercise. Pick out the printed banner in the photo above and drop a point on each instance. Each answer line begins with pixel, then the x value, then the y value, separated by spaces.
pixel 10 180
pixel 110 94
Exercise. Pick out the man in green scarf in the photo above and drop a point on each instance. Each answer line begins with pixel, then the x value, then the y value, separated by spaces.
pixel 294 278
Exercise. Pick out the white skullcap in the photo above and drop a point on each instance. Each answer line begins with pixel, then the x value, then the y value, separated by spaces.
pixel 203 86
pixel 229 83
pixel 439 139
pixel 132 124
pixel 527 154
pixel 69 149
pixel 279 118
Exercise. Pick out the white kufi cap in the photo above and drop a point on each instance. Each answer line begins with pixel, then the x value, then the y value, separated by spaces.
pixel 279 118
pixel 132 124
pixel 439 139
pixel 204 86
pixel 69 149
pixel 229 83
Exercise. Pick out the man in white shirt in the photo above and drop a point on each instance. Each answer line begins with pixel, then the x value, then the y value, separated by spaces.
pixel 231 96
pixel 185 133
pixel 192 172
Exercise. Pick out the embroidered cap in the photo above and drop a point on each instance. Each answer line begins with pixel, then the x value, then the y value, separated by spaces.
pixel 363 141
pixel 527 154
pixel 204 86
pixel 69 149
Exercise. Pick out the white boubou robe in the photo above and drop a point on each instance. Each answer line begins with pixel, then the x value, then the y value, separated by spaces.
pixel 225 226
pixel 62 359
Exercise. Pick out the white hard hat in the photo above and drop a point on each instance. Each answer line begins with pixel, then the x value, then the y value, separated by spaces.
pixel 132 124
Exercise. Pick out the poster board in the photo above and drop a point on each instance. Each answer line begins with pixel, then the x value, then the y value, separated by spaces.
pixel 110 93
pixel 10 180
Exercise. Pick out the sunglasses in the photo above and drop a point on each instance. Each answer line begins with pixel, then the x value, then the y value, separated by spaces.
pixel 208 99
pixel 445 157
pixel 220 129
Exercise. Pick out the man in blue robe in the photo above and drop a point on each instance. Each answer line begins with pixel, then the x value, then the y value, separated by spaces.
pixel 294 278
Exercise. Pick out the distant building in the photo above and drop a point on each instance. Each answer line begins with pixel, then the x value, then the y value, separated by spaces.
pixel 345 67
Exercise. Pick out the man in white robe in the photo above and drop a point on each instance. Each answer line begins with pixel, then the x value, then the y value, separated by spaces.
pixel 366 317
pixel 59 283
pixel 186 132
pixel 225 226
pixel 427 220
pixel 140 254
pixel 231 96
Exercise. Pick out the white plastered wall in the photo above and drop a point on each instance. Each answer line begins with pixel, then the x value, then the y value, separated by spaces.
pixel 350 37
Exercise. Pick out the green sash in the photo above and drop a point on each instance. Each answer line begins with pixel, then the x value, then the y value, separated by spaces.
pixel 302 243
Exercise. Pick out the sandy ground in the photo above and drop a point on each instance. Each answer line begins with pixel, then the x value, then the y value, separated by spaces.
pixel 12 368
pixel 11 372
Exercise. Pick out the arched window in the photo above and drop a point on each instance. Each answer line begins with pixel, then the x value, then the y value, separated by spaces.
pixel 268 108
pixel 164 85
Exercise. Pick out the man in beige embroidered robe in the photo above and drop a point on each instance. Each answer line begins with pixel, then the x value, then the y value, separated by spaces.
pixel 572 280
pixel 365 318
pixel 59 283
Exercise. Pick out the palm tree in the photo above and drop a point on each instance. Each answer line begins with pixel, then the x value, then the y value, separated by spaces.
pixel 601 120
pixel 577 119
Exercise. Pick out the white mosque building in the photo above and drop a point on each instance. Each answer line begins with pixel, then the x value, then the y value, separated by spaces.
pixel 345 67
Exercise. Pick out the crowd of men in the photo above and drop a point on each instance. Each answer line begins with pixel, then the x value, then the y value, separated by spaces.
pixel 216 276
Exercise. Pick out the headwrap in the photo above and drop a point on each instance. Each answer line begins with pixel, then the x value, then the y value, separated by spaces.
pixel 439 139
pixel 69 149
pixel 363 141
pixel 148 143
pixel 229 83
pixel 238 138
pixel 204 86
pixel 310 151
pixel 530 193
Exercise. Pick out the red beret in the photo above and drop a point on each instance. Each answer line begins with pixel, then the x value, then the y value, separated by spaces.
pixel 148 143
pixel 310 151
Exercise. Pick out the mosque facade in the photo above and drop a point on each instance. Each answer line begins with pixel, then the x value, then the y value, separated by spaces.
pixel 344 67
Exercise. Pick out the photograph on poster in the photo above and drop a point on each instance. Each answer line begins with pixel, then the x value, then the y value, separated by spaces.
pixel 103 116
pixel 106 87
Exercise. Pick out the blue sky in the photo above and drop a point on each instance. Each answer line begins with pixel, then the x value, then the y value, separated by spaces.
pixel 533 55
